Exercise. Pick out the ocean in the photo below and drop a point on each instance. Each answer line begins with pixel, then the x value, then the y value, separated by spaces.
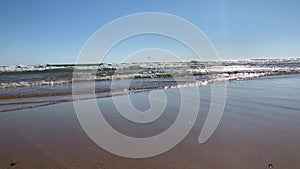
pixel 30 86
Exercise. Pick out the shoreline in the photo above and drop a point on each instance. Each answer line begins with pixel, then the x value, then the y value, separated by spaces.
pixel 45 99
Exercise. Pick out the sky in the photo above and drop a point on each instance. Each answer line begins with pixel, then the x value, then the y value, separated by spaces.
pixel 54 31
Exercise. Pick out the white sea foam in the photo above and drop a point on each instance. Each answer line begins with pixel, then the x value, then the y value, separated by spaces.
pixel 22 68
pixel 32 83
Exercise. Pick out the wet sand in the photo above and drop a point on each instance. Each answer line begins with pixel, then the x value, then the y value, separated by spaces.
pixel 260 125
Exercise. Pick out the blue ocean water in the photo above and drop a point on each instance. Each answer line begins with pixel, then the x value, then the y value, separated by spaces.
pixel 27 86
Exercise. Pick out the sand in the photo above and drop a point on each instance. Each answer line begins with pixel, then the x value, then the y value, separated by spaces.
pixel 260 125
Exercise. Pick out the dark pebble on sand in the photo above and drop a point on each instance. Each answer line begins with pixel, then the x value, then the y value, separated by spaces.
pixel 13 164
pixel 270 165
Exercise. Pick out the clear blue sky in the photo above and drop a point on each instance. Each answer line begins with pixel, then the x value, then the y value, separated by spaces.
pixel 54 31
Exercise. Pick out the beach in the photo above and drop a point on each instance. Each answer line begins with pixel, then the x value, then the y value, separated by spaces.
pixel 260 125
pixel 150 84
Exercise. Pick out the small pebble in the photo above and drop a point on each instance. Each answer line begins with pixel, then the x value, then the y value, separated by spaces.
pixel 270 165
pixel 13 164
